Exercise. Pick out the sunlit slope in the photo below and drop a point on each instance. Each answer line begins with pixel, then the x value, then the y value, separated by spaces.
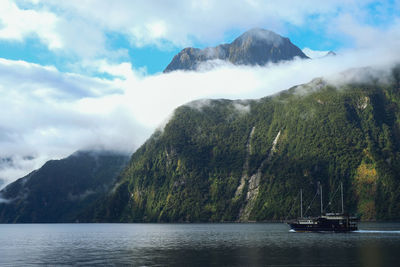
pixel 221 160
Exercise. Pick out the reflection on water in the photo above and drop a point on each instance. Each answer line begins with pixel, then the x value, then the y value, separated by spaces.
pixel 377 232
pixel 196 245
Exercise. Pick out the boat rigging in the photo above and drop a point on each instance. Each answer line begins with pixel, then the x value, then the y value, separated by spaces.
pixel 328 222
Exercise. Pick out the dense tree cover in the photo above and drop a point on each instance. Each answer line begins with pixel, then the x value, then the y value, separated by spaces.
pixel 222 160
pixel 61 189
pixel 243 160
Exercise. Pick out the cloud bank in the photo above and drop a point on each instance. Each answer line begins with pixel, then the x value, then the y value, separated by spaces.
pixel 83 28
pixel 48 114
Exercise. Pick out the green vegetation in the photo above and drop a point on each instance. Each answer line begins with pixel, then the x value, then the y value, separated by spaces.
pixel 61 189
pixel 227 160
pixel 222 160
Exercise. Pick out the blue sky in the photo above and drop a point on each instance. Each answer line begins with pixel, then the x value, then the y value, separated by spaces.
pixel 88 74
pixel 149 34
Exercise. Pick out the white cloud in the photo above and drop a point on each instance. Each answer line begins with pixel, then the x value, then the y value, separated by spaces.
pixel 199 19
pixel 81 27
pixel 18 24
pixel 314 53
pixel 365 35
pixel 48 114
pixel 81 37
pixel 17 166
pixel 51 114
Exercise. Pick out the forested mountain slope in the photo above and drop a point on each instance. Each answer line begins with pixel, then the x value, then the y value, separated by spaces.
pixel 222 160
pixel 61 189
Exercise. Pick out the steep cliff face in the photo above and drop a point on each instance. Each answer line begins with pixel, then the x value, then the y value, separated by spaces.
pixel 222 160
pixel 244 160
pixel 254 47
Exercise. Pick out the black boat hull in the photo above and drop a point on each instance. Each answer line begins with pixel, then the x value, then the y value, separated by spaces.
pixel 321 228
pixel 325 223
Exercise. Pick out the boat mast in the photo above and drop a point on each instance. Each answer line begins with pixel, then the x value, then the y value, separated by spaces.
pixel 341 190
pixel 301 203
pixel 320 191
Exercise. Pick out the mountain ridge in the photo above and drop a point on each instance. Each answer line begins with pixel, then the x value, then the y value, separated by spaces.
pixel 238 160
pixel 254 47
pixel 60 189
pixel 215 162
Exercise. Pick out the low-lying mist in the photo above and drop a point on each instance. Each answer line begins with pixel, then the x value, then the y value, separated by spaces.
pixel 47 114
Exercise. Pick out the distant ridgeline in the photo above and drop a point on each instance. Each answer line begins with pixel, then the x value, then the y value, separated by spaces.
pixel 222 160
pixel 61 189
pixel 254 47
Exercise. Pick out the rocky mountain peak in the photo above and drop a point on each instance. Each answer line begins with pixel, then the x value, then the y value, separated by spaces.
pixel 258 35
pixel 254 47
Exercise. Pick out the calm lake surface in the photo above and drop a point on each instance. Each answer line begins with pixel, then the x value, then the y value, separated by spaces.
pixel 264 244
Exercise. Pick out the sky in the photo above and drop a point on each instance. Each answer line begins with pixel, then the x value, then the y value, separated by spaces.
pixel 88 74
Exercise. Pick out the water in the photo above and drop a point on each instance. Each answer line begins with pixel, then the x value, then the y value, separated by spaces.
pixel 269 244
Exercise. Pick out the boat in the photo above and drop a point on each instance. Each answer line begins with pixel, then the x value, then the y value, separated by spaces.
pixel 326 222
